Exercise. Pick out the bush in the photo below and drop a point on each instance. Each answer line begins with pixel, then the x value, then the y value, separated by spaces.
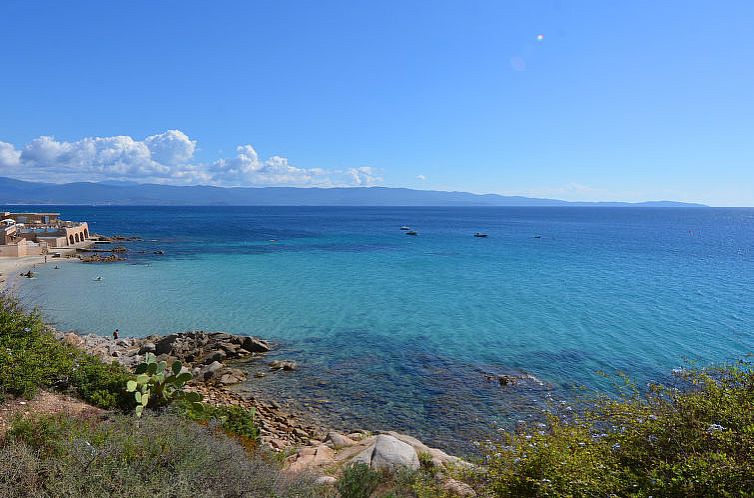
pixel 691 440
pixel 32 358
pixel 102 384
pixel 128 457
pixel 20 469
pixel 358 481
pixel 235 421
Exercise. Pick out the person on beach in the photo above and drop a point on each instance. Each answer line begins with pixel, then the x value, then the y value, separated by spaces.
pixel 116 334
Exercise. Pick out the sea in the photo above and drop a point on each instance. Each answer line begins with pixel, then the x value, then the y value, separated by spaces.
pixel 411 333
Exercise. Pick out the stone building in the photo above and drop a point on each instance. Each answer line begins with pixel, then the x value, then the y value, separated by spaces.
pixel 36 234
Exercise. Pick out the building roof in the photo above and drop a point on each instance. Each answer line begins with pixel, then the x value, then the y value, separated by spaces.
pixel 33 214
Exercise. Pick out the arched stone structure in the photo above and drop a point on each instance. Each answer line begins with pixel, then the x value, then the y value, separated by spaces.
pixel 70 239
pixel 86 233
pixel 76 237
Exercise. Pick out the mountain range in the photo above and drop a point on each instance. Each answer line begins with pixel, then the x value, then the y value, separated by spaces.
pixel 124 193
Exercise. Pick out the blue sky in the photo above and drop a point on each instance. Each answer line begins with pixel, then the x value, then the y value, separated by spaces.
pixel 618 101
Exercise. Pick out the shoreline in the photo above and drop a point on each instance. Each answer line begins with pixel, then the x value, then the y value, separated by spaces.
pixel 310 446
pixel 211 358
pixel 11 268
pixel 290 421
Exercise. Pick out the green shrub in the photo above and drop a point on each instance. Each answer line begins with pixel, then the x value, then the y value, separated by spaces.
pixel 233 420
pixel 127 457
pixel 43 434
pixel 693 440
pixel 102 384
pixel 237 420
pixel 358 481
pixel 32 358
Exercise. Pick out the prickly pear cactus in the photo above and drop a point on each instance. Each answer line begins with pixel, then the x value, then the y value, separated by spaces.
pixel 156 385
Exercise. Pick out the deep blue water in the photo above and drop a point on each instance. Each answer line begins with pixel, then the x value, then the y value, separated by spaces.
pixel 394 331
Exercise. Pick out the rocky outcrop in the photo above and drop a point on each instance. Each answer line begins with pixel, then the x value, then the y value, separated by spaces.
pixel 199 352
pixel 386 451
pixel 505 380
pixel 115 238
pixel 96 258
pixel 204 354
pixel 207 355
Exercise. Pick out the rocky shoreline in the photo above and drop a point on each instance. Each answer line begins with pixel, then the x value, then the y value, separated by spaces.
pixel 210 356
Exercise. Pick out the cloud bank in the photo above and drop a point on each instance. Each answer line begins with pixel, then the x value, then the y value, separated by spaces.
pixel 166 158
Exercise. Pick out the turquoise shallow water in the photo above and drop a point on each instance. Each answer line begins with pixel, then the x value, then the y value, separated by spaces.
pixel 394 331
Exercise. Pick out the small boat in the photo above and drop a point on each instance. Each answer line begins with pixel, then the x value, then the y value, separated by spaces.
pixel 480 235
pixel 412 232
pixel 537 236
pixel 404 227
pixel 98 279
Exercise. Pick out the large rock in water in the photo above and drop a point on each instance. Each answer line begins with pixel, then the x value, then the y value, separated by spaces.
pixel 255 345
pixel 389 453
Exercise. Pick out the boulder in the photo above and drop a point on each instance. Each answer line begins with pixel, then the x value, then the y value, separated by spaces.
pixel 230 349
pixel 147 347
pixel 73 340
pixel 229 376
pixel 440 459
pixel 210 370
pixel 389 453
pixel 458 488
pixel 309 457
pixel 216 355
pixel 283 365
pixel 338 441
pixel 255 345
pixel 165 345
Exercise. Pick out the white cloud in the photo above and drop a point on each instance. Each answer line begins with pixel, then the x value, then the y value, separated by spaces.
pixel 9 156
pixel 91 158
pixel 365 176
pixel 163 158
pixel 171 147
pixel 421 177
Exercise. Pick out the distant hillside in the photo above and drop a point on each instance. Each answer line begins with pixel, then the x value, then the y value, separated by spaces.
pixel 21 192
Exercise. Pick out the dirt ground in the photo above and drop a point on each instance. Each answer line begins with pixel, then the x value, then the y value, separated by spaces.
pixel 45 402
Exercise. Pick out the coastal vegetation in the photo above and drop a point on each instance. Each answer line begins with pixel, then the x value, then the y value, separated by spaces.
pixel 155 456
pixel 31 358
pixel 693 437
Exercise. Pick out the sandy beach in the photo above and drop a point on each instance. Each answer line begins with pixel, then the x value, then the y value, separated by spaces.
pixel 11 268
